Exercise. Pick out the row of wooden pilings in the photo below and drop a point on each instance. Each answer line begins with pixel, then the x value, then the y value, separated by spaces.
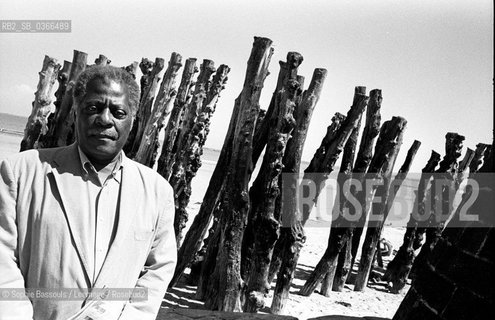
pixel 248 245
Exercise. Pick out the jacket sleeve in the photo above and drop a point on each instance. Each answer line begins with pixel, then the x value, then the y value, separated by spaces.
pixel 11 279
pixel 159 267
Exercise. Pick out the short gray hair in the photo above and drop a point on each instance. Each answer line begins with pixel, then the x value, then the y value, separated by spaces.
pixel 107 73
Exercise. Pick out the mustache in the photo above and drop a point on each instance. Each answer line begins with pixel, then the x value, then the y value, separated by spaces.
pixel 102 133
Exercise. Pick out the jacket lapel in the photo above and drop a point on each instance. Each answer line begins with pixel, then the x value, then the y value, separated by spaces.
pixel 66 167
pixel 128 202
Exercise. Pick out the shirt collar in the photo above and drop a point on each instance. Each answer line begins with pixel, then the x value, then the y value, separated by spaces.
pixel 112 168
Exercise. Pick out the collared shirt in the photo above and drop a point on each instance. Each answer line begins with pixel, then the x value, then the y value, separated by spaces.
pixel 100 191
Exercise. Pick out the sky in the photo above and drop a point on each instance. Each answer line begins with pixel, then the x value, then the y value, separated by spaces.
pixel 433 60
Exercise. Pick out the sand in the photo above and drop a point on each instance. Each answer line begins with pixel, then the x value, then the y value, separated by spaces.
pixel 374 301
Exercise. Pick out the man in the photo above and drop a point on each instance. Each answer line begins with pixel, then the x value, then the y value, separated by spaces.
pixel 85 216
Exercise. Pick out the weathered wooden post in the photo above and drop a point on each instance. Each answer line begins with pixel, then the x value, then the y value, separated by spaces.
pixel 380 210
pixel 191 112
pixel 212 244
pixel 479 154
pixel 398 269
pixel 164 99
pixel 362 165
pixel 294 218
pixel 65 117
pixel 149 82
pixel 396 184
pixel 102 60
pixel 466 161
pixel 146 66
pixel 443 190
pixel 292 162
pixel 224 287
pixel 183 98
pixel 402 174
pixel 315 170
pixel 266 188
pixel 193 239
pixel 463 167
pixel 365 154
pixel 288 71
pixel 132 68
pixel 370 132
pixel 346 167
pixel 342 225
pixel 190 162
pixel 37 121
pixel 63 80
pixel 46 139
pixel 324 160
pixel 261 118
pixel 177 159
pixel 456 221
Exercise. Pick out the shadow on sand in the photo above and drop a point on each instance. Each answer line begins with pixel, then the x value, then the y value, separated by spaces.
pixel 182 296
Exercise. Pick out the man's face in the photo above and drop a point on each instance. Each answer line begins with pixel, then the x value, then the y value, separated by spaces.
pixel 103 120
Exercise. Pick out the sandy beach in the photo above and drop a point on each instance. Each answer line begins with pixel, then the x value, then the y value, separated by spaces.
pixel 374 301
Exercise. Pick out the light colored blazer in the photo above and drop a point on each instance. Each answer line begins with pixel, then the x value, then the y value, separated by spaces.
pixel 42 244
